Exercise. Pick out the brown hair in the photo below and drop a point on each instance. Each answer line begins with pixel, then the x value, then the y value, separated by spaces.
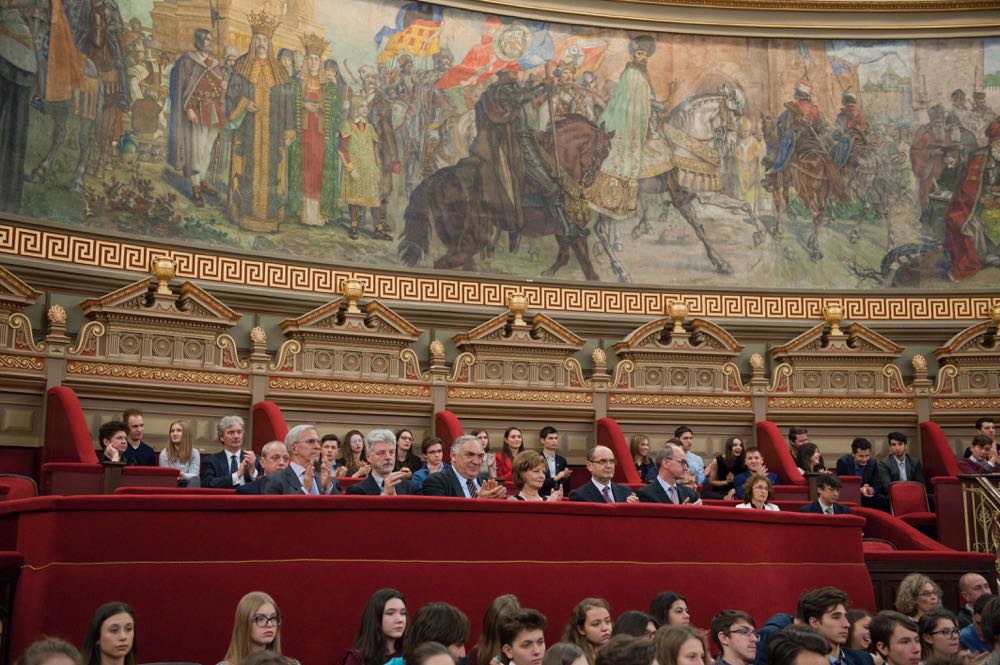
pixel 499 610
pixel 524 462
pixel 633 447
pixel 576 620
pixel 239 643
pixel 753 480
pixel 348 458
pixel 181 452
pixel 670 639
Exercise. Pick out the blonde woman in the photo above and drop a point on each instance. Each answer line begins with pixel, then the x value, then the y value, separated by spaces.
pixel 181 454
pixel 256 628
pixel 917 593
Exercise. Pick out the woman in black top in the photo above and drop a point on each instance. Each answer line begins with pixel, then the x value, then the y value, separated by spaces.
pixel 724 468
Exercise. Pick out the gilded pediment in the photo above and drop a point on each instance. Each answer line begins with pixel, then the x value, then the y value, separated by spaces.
pixel 15 294
pixel 821 343
pixel 509 333
pixel 335 323
pixel 661 339
pixel 139 303
pixel 976 341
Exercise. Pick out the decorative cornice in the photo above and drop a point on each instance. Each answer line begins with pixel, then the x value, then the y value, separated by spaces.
pixel 162 374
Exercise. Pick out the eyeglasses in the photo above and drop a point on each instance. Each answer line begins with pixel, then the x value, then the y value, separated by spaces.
pixel 602 462
pixel 682 462
pixel 928 594
pixel 262 620
pixel 947 632
pixel 745 632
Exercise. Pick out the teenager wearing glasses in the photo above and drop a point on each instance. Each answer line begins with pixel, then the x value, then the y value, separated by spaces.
pixel 256 628
pixel 735 636
pixel 938 631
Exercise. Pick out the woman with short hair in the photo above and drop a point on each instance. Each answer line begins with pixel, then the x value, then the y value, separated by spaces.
pixel 917 593
pixel 528 471
pixel 758 492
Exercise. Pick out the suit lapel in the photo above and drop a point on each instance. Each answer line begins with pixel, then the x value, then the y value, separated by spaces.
pixel 660 492
pixel 296 485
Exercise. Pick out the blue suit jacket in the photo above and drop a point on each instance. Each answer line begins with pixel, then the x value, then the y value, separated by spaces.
pixel 588 493
pixel 654 493
pixel 215 471
pixel 814 508
pixel 368 487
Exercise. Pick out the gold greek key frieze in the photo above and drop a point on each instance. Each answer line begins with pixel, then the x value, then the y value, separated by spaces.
pixel 521 395
pixel 167 374
pixel 962 403
pixel 633 399
pixel 349 387
pixel 11 361
pixel 864 403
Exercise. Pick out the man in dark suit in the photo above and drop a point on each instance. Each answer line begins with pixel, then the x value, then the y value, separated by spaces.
pixel 462 479
pixel 970 587
pixel 898 465
pixel 984 457
pixel 232 466
pixel 601 465
pixel 859 463
pixel 668 486
pixel 825 611
pixel 828 487
pixel 380 447
pixel 273 458
pixel 300 476
pixel 556 470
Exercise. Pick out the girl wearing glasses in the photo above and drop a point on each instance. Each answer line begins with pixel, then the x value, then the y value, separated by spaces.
pixel 256 628
pixel 938 631
pixel 380 635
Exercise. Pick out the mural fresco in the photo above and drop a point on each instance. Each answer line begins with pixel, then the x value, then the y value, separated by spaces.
pixel 391 134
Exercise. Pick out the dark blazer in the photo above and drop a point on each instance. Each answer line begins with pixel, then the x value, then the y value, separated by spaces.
pixel 286 481
pixel 869 475
pixel 444 483
pixel 589 493
pixel 143 455
pixel 856 657
pixel 550 484
pixel 814 508
pixel 654 493
pixel 889 471
pixel 258 486
pixel 970 466
pixel 368 487
pixel 215 471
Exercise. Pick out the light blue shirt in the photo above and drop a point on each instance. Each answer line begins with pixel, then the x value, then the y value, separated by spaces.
pixel 551 461
pixel 697 465
pixel 600 490
pixel 300 471
pixel 464 482
pixel 667 487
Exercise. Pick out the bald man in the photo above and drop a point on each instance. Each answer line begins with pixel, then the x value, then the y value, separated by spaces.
pixel 601 464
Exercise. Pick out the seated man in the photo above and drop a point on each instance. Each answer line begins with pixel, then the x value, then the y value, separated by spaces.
pixel 990 626
pixel 898 465
pixel 859 463
pixel 970 587
pixel 668 487
pixel 825 611
pixel 462 479
pixel 300 477
pixel 735 636
pixel 522 639
pixel 971 637
pixel 755 464
pixel 114 440
pixel 433 451
pixel 380 447
pixel 894 637
pixel 138 453
pixel 232 466
pixel 696 465
pixel 273 458
pixel 984 457
pixel 601 465
pixel 828 488
pixel 984 427
pixel 798 645
pixel 556 470
pixel 796 437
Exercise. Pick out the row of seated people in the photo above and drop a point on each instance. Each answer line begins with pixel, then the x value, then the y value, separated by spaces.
pixel 824 630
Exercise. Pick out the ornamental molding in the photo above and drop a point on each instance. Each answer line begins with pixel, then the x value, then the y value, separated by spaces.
pixel 159 374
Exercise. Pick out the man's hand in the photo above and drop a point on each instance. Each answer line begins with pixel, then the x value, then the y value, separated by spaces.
pixel 565 473
pixel 867 490
pixel 491 489
pixel 325 476
pixel 632 498
pixel 249 462
pixel 192 116
pixel 394 479
pixel 308 478
pixel 362 471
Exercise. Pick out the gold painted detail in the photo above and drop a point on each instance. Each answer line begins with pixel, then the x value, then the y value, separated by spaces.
pixel 623 374
pixel 757 361
pixel 695 401
pixel 349 387
pixel 514 395
pixel 919 362
pixel 86 341
pixel 779 379
pixel 945 380
pixel 575 374
pixel 460 368
pixel 24 336
pixel 735 378
pixel 11 361
pixel 866 403
pixel 286 354
pixel 167 374
pixel 962 403
pixel 258 336
pixel 230 356
pixel 411 366
pixel 895 376
pixel 56 314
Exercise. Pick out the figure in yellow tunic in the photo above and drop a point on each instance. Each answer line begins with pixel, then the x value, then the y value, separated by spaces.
pixel 359 153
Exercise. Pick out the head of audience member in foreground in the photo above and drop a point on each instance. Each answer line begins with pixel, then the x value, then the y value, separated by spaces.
pixel 735 635
pixel 917 593
pixel 273 457
pixel 437 622
pixel 669 609
pixel 990 623
pixel 627 650
pixel 680 645
pixel 50 651
pixel 589 626
pixel 564 653
pixel 268 658
pixel 895 638
pixel 467 456
pixel 634 623
pixel 797 645
pixel 256 628
pixel 522 639
pixel 938 632
pixel 111 635
pixel 432 653
pixel 489 645
pixel 383 621
pixel 825 611
pixel 828 488
pixel 380 450
pixel 858 635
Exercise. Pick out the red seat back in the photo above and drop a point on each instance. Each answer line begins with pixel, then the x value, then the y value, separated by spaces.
pixel 935 451
pixel 268 424
pixel 18 487
pixel 908 497
pixel 610 434
pixel 67 438
pixel 777 457
pixel 448 428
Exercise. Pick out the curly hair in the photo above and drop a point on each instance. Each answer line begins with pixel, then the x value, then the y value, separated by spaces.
pixel 909 592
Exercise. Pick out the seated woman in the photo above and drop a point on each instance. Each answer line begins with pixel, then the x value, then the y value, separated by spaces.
pixel 723 470
pixel 256 628
pixel 808 459
pixel 488 649
pixel 513 442
pixel 917 594
pixel 489 467
pixel 638 445
pixel 110 638
pixel 564 653
pixel 938 632
pixel 669 609
pixel 680 645
pixel 589 627
pixel 760 492
pixel 859 634
pixel 405 457
pixel 380 635
pixel 353 457
pixel 433 450
pixel 330 453
pixel 180 454
pixel 529 476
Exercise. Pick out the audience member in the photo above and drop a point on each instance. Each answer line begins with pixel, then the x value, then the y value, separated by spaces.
pixel 722 471
pixel 513 444
pixel 269 658
pixel 433 449
pixel 858 635
pixel 138 453
pixel 735 635
pixel 983 459
pixel 380 450
pixel 110 638
pixel 669 609
pixel 825 611
pixel 895 638
pixel 898 465
pixel 589 626
pixel 232 466
pixel 380 635
pixel 796 437
pixel 564 653
pixel 352 455
pixel 970 587
pixel 489 648
pixel 329 447
pixel 299 477
pixel 696 465
pixel 938 632
pixel 680 645
pixel 797 645
pixel 828 491
pixel 522 640
pixel 774 625
pixel 634 623
pixel 488 469
pixel 627 650
pixel 556 470
pixel 256 628
pixel 114 440
pixel 859 463
pixel 990 621
pixel 755 464
pixel 638 446
pixel 759 492
pixel 601 466
pixel 971 637
pixel 435 622
pixel 808 459
pixel 405 457
pixel 180 454
pixel 273 458
pixel 529 477
pixel 50 651
pixel 984 427
pixel 917 593
pixel 667 486
pixel 432 653
pixel 462 479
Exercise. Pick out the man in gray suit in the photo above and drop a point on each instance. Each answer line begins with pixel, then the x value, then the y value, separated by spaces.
pixel 672 466
pixel 898 465
pixel 300 477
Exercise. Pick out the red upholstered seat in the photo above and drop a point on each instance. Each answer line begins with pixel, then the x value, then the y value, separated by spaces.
pixel 877 545
pixel 777 457
pixel 149 476
pixel 70 464
pixel 610 434
pixel 18 487
pixel 347 482
pixel 173 491
pixel 448 428
pixel 909 503
pixel 268 424
pixel 935 451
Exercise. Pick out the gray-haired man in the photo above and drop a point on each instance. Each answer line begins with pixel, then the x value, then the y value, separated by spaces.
pixel 305 473
pixel 380 447
pixel 232 466
pixel 462 479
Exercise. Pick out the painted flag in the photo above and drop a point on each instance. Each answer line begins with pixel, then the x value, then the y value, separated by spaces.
pixel 586 53
pixel 803 51
pixel 416 31
pixel 505 43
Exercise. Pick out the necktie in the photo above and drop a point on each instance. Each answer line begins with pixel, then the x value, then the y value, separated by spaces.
pixel 232 464
pixel 606 492
pixel 471 486
pixel 902 470
pixel 670 494
pixel 828 510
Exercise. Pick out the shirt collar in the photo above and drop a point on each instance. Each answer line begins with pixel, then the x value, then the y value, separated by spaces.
pixel 600 487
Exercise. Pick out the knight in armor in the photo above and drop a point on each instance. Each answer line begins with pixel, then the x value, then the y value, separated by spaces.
pixel 851 131
pixel 511 161
pixel 567 97
pixel 800 127
pixel 435 109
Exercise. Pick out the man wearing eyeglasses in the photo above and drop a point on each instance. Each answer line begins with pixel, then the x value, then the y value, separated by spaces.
pixel 668 486
pixel 301 475
pixel 380 448
pixel 735 636
pixel 601 465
